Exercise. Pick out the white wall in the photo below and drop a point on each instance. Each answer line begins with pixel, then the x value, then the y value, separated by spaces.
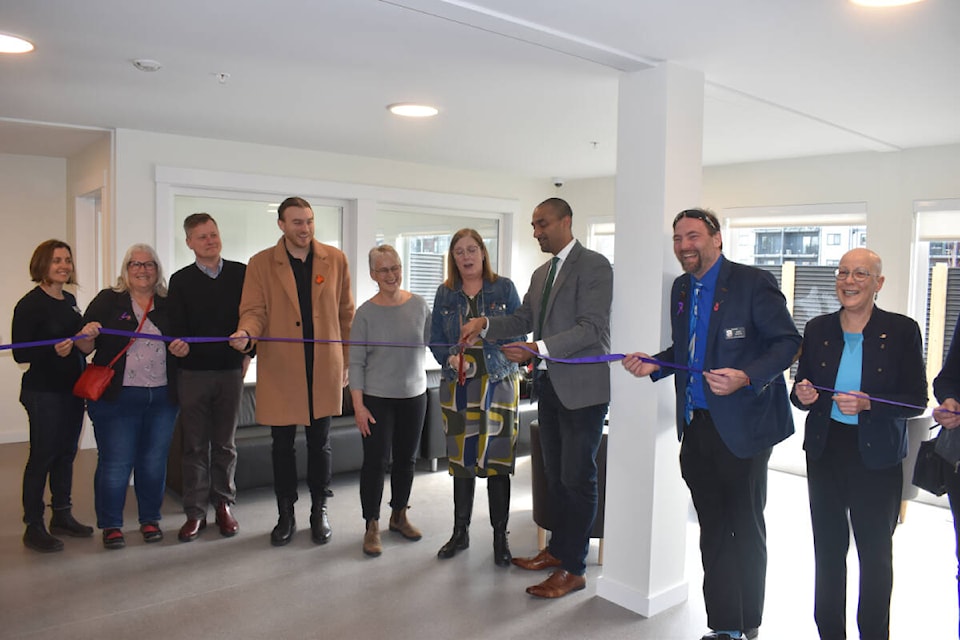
pixel 32 209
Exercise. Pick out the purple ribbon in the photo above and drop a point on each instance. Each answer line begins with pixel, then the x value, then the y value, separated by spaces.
pixel 605 357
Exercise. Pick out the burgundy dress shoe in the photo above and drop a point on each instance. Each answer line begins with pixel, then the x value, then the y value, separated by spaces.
pixel 542 560
pixel 225 520
pixel 559 584
pixel 191 529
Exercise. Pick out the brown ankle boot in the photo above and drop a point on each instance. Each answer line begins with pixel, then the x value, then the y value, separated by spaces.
pixel 371 539
pixel 400 524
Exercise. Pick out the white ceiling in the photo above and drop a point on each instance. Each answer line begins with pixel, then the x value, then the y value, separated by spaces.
pixel 524 86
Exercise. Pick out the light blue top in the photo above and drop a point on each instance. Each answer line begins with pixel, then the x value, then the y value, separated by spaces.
pixel 849 373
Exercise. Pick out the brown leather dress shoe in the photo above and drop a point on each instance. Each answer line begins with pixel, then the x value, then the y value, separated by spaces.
pixel 559 584
pixel 191 529
pixel 542 560
pixel 225 520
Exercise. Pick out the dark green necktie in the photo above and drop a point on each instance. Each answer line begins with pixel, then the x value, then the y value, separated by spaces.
pixel 547 286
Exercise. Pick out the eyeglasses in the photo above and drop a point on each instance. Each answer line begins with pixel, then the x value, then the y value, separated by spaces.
pixel 471 250
pixel 150 265
pixel 859 275
pixel 387 270
pixel 698 214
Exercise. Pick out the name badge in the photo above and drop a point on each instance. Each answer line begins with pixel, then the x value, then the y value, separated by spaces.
pixel 736 333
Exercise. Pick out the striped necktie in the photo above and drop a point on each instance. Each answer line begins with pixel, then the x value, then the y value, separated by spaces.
pixel 692 346
pixel 547 286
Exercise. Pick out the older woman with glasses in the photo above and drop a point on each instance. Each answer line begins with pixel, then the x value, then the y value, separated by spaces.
pixel 133 421
pixel 479 392
pixel 388 385
pixel 849 360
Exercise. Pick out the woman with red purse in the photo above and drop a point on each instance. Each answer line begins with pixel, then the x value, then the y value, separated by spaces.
pixel 49 312
pixel 133 420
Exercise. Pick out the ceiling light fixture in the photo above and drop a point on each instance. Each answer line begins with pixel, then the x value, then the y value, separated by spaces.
pixel 147 65
pixel 14 44
pixel 884 3
pixel 411 110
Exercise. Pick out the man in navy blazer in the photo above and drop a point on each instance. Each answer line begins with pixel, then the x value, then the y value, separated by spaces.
pixel 732 339
pixel 567 307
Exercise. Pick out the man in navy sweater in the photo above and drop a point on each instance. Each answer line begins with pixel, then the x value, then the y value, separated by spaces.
pixel 204 300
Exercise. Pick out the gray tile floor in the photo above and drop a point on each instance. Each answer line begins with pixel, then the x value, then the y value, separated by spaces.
pixel 243 588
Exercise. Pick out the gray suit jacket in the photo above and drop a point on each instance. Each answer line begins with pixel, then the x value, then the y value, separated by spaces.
pixel 576 324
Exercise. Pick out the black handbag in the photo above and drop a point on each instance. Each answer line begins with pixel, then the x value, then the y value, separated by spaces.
pixel 930 471
pixel 948 448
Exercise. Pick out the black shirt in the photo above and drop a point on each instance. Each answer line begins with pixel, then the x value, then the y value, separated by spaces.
pixel 38 316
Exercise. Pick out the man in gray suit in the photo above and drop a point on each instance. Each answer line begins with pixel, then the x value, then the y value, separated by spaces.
pixel 567 307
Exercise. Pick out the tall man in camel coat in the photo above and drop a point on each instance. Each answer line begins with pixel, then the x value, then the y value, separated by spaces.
pixel 299 278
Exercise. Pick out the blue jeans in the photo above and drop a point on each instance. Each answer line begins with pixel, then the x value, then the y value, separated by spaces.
pixel 55 422
pixel 133 434
pixel 569 439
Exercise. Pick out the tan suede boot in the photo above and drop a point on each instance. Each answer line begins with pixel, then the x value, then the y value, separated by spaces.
pixel 400 524
pixel 371 539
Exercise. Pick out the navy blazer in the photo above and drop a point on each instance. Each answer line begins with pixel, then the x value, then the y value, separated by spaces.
pixel 893 369
pixel 751 330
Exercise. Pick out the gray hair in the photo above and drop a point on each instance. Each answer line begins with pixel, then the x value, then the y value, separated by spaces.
pixel 123 283
pixel 381 250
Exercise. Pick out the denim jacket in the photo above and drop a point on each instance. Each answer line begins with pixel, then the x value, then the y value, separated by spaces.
pixel 450 306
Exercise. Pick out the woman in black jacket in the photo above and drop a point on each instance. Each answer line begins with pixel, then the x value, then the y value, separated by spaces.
pixel 134 419
pixel 855 445
pixel 49 312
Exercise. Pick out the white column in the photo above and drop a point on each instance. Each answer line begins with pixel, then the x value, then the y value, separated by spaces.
pixel 659 157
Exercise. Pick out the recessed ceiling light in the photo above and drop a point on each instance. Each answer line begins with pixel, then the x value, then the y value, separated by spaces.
pixel 884 3
pixel 14 44
pixel 410 110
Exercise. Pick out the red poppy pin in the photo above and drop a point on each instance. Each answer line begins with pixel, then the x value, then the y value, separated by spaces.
pixel 319 279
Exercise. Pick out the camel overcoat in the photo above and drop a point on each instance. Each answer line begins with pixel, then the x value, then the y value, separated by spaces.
pixel 269 307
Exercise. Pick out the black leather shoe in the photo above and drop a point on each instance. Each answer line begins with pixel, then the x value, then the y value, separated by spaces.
pixel 37 538
pixel 62 522
pixel 713 635
pixel 286 523
pixel 751 634
pixel 459 541
pixel 320 530
pixel 501 548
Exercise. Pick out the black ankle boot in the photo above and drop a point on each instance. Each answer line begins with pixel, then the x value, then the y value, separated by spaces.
pixel 37 538
pixel 459 541
pixel 286 523
pixel 498 497
pixel 320 530
pixel 63 523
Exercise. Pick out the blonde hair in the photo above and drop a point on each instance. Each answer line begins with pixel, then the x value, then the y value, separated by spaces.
pixel 381 250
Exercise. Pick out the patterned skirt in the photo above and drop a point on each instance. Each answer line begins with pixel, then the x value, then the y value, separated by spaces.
pixel 481 423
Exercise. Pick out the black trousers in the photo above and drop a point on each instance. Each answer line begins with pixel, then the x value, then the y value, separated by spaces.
pixel 729 494
pixel 953 492
pixel 55 423
pixel 397 434
pixel 844 493
pixel 318 460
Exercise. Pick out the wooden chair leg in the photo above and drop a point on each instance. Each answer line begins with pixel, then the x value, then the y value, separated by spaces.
pixel 600 553
pixel 541 538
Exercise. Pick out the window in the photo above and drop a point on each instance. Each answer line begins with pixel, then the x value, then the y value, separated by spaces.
pixel 247 226
pixel 935 283
pixel 600 237
pixel 422 236
pixel 833 239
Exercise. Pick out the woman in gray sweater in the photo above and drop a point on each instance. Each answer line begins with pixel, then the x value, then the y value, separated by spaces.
pixel 388 386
